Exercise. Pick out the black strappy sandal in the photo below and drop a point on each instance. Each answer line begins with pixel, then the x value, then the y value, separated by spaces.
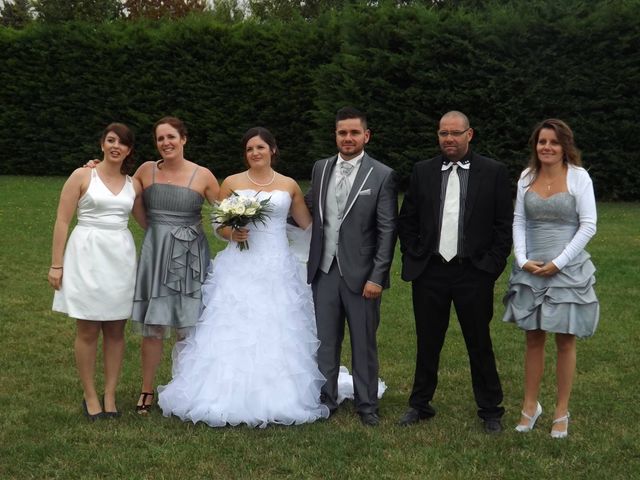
pixel 145 407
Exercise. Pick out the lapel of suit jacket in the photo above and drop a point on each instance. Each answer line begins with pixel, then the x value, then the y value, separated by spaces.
pixel 366 167
pixel 475 176
pixel 435 186
pixel 327 168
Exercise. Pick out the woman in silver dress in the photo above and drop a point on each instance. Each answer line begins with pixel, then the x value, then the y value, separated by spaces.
pixel 175 254
pixel 551 284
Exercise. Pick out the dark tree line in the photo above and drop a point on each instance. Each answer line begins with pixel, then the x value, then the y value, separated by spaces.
pixel 18 13
pixel 508 65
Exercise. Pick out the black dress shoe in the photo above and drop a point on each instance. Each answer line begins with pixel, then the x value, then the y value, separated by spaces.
pixel 370 419
pixel 412 416
pixel 492 425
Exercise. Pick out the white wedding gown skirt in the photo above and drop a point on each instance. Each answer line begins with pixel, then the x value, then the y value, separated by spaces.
pixel 251 358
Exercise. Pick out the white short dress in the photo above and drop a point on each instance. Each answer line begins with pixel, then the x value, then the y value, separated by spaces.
pixel 100 258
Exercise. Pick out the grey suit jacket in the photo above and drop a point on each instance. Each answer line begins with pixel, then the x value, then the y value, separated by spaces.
pixel 367 234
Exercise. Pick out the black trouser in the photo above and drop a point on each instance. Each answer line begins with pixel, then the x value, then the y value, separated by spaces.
pixel 471 291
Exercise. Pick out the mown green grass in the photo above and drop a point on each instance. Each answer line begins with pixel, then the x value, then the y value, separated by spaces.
pixel 43 433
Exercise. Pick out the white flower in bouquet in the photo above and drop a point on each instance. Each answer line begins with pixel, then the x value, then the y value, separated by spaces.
pixel 237 211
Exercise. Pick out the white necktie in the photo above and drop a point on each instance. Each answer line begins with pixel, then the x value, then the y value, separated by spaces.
pixel 450 214
pixel 343 187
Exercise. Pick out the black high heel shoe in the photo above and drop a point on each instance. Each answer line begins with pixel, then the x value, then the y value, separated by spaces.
pixel 90 417
pixel 115 414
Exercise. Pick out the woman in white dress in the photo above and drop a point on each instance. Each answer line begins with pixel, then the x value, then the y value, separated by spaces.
pixel 95 277
pixel 551 284
pixel 252 355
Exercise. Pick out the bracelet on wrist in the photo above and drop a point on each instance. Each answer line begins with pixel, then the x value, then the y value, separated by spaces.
pixel 55 268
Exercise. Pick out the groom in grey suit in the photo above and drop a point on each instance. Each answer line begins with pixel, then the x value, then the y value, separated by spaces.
pixel 355 206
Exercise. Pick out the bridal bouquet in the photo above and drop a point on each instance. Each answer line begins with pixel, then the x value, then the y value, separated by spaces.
pixel 237 211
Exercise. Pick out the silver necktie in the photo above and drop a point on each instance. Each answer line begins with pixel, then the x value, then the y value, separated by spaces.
pixel 450 215
pixel 343 187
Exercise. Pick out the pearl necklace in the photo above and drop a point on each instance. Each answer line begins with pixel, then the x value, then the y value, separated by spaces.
pixel 261 184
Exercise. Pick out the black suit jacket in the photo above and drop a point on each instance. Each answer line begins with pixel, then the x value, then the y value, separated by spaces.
pixel 488 216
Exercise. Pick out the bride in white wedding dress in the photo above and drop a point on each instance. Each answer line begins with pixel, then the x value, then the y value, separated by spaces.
pixel 252 356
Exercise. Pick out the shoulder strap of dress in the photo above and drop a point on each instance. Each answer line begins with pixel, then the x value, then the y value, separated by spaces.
pixel 193 175
pixel 153 173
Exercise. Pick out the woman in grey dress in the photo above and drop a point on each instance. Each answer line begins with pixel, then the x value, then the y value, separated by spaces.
pixel 175 254
pixel 551 284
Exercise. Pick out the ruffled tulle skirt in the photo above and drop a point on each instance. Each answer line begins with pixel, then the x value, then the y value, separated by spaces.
pixel 252 356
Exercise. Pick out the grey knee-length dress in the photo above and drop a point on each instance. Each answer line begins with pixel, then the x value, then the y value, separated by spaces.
pixel 173 261
pixel 565 302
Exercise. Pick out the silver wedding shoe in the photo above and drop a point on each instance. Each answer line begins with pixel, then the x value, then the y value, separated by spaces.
pixel 532 420
pixel 561 433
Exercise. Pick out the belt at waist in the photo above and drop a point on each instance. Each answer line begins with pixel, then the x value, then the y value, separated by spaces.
pixel 103 225
pixel 161 217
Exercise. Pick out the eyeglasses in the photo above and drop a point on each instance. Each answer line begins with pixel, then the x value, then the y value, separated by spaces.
pixel 453 133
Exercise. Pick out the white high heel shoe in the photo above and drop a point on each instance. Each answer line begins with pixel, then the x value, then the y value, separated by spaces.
pixel 561 433
pixel 532 420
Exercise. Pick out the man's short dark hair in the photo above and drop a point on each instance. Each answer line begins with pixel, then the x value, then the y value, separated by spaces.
pixel 345 113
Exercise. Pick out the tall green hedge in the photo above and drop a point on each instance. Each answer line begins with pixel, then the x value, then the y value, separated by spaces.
pixel 59 86
pixel 506 66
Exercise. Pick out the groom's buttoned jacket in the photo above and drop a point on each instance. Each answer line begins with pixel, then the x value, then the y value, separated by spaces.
pixel 366 236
